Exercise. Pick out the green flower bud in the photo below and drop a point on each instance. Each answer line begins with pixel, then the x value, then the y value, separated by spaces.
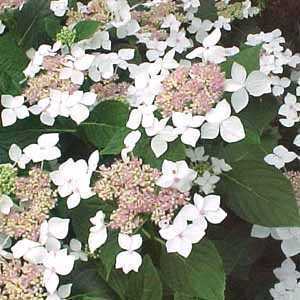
pixel 66 36
pixel 8 175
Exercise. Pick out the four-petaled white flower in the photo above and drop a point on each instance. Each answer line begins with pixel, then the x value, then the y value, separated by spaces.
pixel 290 110
pixel 75 65
pixel 181 235
pixel 98 232
pixel 219 166
pixel 56 263
pixel 162 135
pixel 77 105
pixel 204 209
pixel 16 155
pixel 176 175
pixel 52 231
pixel 14 109
pixel 75 248
pixel 256 84
pixel 197 154
pixel 59 7
pixel 129 260
pixel 219 120
pixel 186 125
pixel 279 84
pixel 210 52
pixel 73 179
pixel 45 149
pixel 280 157
pixel 143 114
pixel 207 182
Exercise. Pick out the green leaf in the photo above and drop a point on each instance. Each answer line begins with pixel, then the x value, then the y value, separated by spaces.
pixel 247 57
pixel 30 29
pixel 146 284
pixel 105 128
pixel 89 284
pixel 52 26
pixel 260 113
pixel 260 194
pixel 13 61
pixel 116 143
pixel 85 29
pixel 109 252
pixel 208 10
pixel 111 112
pixel 200 275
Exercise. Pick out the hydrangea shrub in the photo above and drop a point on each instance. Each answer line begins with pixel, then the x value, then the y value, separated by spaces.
pixel 148 150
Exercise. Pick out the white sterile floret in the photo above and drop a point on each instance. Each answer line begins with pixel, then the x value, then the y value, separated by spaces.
pixel 178 41
pixel 297 140
pixel 98 232
pixel 142 115
pixel 197 154
pixel 171 22
pixel 200 28
pixel 290 110
pixel 290 237
pixel 5 204
pixel 161 134
pixel 190 4
pixel 219 166
pixel 45 149
pixel 129 260
pixel 14 109
pixel 211 52
pixel 280 157
pixel 63 104
pixel 56 263
pixel 130 28
pixel 205 209
pixel 73 179
pixel 100 39
pixel 256 84
pixel 59 7
pixel 54 228
pixel 75 248
pixel 76 64
pixel 287 273
pixel 223 23
pixel 62 293
pixel 176 175
pixel 181 235
pixel 249 10
pixel 130 142
pixel 77 105
pixel 186 125
pixel 279 84
pixel 220 121
pixel 2 27
pixel 16 154
pixel 103 64
pixel 37 58
pixel 207 182
pixel 121 12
